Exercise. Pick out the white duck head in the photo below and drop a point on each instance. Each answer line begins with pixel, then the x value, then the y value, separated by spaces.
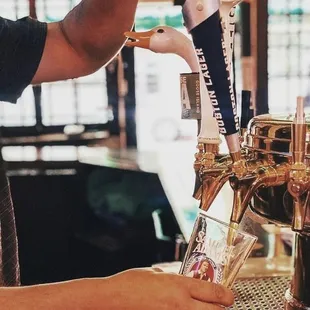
pixel 165 40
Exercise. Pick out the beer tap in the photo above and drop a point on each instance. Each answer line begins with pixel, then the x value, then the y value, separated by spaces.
pixel 269 174
pixel 203 20
pixel 163 39
pixel 213 180
pixel 264 175
pixel 207 21
pixel 299 178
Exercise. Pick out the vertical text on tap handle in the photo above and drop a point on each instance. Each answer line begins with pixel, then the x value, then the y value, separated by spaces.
pixel 215 67
pixel 232 28
pixel 215 103
pixel 213 98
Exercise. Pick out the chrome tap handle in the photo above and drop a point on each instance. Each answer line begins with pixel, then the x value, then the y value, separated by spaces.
pixel 299 131
pixel 298 180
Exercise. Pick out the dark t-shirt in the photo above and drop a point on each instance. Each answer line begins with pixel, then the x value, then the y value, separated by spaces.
pixel 21 47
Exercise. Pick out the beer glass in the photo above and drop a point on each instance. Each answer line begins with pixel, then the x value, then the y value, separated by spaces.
pixel 216 252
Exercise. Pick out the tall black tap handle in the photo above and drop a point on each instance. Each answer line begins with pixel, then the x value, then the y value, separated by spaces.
pixel 246 114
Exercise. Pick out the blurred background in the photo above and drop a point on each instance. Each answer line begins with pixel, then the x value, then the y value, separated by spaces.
pixel 103 182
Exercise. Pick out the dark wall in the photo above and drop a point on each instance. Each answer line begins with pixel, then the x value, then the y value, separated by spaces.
pixel 95 223
pixel 45 208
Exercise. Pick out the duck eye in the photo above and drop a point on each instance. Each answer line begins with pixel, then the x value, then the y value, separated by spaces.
pixel 160 30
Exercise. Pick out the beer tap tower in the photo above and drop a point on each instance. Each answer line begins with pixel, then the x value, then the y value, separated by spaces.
pixel 268 167
pixel 270 171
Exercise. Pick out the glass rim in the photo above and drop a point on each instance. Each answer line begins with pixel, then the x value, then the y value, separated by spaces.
pixel 204 213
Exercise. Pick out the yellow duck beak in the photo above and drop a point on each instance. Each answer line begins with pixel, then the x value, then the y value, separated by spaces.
pixel 139 39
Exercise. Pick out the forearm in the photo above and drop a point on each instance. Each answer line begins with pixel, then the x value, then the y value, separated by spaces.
pixel 77 295
pixel 95 28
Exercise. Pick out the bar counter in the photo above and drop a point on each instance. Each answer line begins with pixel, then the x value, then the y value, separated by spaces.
pixel 261 283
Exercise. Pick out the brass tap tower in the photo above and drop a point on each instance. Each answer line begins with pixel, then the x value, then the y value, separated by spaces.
pixel 272 176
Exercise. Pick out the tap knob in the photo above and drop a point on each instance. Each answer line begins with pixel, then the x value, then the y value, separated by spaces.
pixel 299 132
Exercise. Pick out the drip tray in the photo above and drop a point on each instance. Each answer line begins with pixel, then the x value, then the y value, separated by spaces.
pixel 260 293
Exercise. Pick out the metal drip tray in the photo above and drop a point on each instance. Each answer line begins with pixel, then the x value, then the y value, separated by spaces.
pixel 260 293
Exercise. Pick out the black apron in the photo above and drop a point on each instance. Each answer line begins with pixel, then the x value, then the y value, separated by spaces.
pixel 9 266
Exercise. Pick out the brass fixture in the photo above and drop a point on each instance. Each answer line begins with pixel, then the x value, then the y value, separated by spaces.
pixel 271 175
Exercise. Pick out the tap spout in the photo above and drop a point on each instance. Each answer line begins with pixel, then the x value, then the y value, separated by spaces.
pixel 300 209
pixel 213 181
pixel 245 188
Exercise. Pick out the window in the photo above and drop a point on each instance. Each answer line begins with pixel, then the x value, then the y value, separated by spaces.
pixel 289 50
pixel 80 101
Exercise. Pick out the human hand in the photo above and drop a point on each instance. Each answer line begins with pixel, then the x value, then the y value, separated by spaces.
pixel 152 289
pixel 137 289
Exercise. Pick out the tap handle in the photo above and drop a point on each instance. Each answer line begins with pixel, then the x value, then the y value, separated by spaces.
pixel 246 114
pixel 203 21
pixel 299 181
pixel 300 112
pixel 299 132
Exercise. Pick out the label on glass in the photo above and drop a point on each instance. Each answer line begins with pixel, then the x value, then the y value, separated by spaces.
pixel 190 96
pixel 207 253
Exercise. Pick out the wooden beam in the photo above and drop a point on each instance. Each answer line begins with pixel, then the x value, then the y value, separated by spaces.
pixel 259 50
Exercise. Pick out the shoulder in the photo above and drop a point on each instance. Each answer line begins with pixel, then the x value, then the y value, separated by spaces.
pixel 16 32
pixel 21 47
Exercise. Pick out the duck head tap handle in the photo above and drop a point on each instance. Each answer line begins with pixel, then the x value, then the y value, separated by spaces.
pixel 167 40
pixel 204 20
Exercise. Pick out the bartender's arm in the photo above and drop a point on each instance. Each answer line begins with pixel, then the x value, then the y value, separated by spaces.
pixel 85 40
pixel 131 290
pixel 88 37
pixel 33 52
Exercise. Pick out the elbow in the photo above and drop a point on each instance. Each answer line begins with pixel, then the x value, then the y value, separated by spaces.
pixel 97 48
pixel 96 32
pixel 96 58
pixel 106 43
pixel 98 54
